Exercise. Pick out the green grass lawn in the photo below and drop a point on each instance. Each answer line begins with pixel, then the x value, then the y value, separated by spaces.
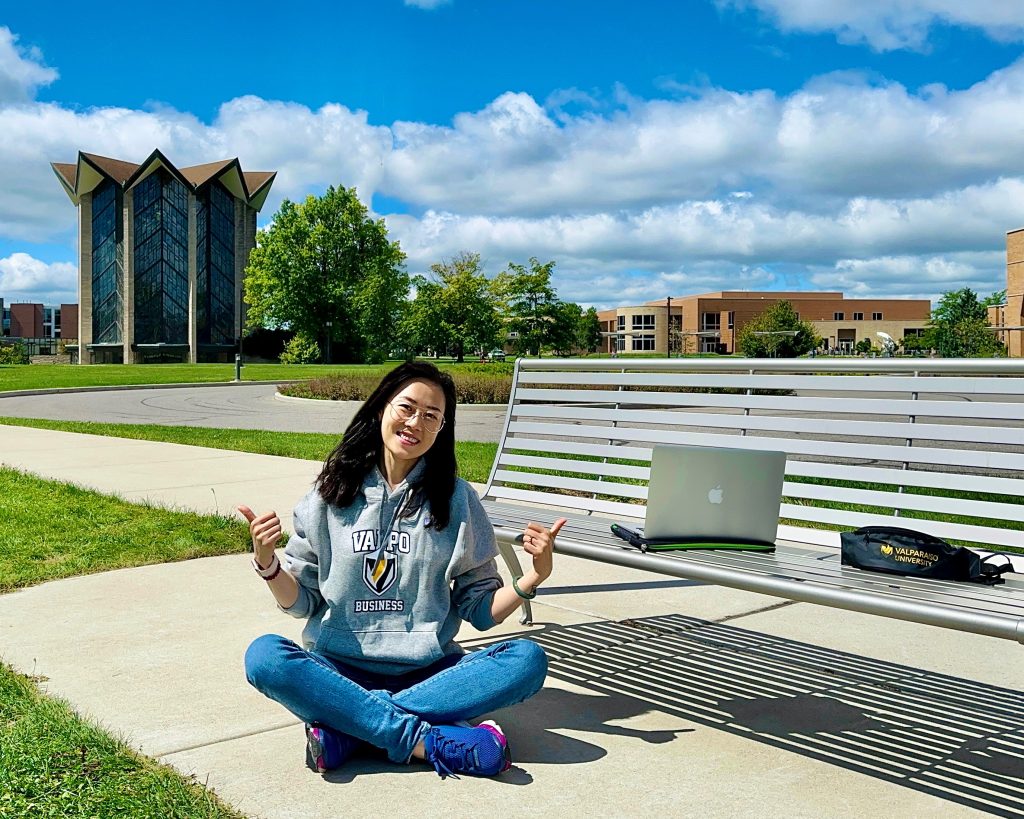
pixel 52 530
pixel 59 376
pixel 474 458
pixel 53 763
pixel 54 376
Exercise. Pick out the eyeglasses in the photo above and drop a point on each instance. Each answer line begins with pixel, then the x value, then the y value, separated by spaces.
pixel 430 420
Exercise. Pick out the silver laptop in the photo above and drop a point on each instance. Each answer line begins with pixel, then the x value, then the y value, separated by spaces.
pixel 714 494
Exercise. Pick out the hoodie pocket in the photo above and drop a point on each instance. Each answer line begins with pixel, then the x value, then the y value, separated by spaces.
pixel 414 648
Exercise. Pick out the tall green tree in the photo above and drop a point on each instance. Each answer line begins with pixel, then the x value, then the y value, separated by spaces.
pixel 324 269
pixel 458 309
pixel 425 318
pixel 783 334
pixel 528 303
pixel 565 329
pixel 588 331
pixel 959 326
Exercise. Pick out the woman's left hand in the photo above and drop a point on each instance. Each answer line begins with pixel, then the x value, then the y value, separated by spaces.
pixel 539 543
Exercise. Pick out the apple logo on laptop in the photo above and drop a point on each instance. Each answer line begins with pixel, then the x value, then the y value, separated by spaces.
pixel 715 494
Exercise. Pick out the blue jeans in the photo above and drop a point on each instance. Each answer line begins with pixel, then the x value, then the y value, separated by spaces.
pixel 394 712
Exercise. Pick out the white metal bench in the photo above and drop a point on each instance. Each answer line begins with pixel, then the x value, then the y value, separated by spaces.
pixel 868 441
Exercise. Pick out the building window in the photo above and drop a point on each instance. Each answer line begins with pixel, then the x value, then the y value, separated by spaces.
pixel 838 316
pixel 620 344
pixel 876 316
pixel 622 322
pixel 160 209
pixel 710 321
pixel 107 263
pixel 732 319
pixel 642 343
pixel 858 317
pixel 643 322
pixel 215 266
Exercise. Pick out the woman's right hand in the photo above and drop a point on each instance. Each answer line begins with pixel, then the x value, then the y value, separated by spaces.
pixel 265 531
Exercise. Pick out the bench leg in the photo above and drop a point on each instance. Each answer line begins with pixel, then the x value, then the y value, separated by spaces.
pixel 508 554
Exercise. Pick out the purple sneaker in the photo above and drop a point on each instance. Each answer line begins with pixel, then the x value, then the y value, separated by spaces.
pixel 480 751
pixel 327 749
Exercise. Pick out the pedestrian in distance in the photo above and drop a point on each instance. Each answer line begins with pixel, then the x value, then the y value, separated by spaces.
pixel 391 553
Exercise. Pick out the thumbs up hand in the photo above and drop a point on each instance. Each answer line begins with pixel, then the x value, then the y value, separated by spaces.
pixel 539 543
pixel 265 531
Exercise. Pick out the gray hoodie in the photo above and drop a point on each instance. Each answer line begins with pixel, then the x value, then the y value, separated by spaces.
pixel 390 603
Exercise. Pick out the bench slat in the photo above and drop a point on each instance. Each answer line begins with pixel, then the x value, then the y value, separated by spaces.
pixel 630 453
pixel 956 531
pixel 906 500
pixel 850 405
pixel 801 446
pixel 569 465
pixel 957 481
pixel 622 490
pixel 624 510
pixel 979 385
pixel 1010 436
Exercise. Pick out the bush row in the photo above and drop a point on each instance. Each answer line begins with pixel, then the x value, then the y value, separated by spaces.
pixel 472 386
pixel 13 352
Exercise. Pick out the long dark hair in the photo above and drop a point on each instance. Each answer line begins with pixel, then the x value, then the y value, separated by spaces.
pixel 362 448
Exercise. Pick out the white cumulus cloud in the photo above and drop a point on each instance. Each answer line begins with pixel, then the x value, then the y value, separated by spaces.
pixel 22 71
pixel 850 181
pixel 24 278
pixel 887 25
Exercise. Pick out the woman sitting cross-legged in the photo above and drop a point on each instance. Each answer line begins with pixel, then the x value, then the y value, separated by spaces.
pixel 391 553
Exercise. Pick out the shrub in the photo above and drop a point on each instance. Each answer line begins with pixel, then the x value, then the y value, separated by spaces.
pixel 13 352
pixel 301 350
pixel 470 387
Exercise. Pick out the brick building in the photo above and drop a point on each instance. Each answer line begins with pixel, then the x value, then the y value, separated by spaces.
pixel 40 321
pixel 26 321
pixel 1010 316
pixel 710 322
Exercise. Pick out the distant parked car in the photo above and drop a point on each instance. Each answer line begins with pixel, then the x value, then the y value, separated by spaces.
pixel 496 355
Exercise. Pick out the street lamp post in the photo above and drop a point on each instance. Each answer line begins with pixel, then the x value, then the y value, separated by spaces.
pixel 329 325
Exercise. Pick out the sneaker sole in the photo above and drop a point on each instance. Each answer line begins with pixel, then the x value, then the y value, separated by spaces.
pixel 493 728
pixel 315 750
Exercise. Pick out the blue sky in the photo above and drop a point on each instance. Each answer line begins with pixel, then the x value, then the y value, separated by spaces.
pixel 650 148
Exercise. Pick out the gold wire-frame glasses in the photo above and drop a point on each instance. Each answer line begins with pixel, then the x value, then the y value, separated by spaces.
pixel 430 420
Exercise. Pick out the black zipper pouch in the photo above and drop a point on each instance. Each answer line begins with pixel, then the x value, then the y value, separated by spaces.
pixel 916 554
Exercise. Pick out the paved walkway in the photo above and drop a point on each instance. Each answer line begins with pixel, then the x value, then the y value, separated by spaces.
pixel 229 406
pixel 664 698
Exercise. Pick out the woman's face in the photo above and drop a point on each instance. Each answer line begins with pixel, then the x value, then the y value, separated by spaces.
pixel 408 439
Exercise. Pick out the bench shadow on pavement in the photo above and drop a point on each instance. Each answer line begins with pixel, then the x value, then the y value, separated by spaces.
pixel 951 738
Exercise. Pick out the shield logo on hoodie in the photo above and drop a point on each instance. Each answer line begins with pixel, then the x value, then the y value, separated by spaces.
pixel 380 571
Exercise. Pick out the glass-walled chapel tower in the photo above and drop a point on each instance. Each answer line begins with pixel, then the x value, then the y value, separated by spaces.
pixel 162 253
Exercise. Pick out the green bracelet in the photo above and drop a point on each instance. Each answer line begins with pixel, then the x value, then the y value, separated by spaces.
pixel 520 592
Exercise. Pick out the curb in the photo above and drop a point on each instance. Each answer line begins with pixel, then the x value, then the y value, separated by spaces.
pixel 117 387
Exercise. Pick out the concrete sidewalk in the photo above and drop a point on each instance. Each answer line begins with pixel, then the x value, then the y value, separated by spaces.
pixel 664 697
